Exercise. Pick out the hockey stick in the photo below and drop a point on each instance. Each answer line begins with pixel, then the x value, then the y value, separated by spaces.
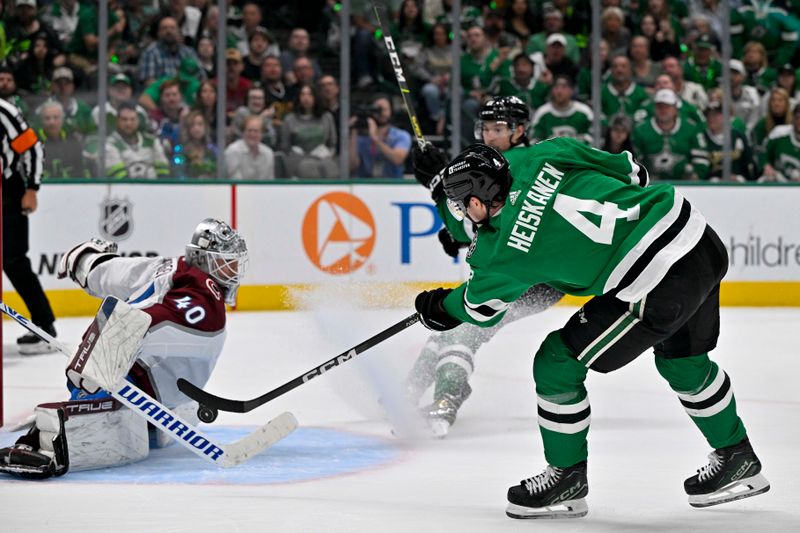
pixel 225 455
pixel 380 14
pixel 210 405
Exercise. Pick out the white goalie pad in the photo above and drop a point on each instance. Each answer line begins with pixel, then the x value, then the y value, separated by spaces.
pixel 109 347
pixel 99 433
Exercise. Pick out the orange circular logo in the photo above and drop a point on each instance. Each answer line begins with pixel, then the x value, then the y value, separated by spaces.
pixel 338 233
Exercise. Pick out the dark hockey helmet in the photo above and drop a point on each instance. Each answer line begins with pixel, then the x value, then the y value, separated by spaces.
pixel 479 171
pixel 509 109
pixel 219 251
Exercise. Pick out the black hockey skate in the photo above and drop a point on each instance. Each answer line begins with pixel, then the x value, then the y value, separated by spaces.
pixel 555 493
pixel 30 344
pixel 441 415
pixel 732 473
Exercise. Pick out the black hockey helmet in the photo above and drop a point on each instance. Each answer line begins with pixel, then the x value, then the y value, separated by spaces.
pixel 509 109
pixel 479 171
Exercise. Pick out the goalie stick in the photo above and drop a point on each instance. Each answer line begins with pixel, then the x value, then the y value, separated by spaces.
pixel 210 405
pixel 224 455
pixel 380 14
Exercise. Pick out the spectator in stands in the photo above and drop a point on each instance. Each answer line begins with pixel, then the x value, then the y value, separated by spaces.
pixel 131 153
pixel 167 117
pixel 766 24
pixel 8 90
pixel 277 94
pixel 380 151
pixel 520 21
pixel 63 149
pixel 745 99
pixel 585 73
pixel 703 67
pixel 303 73
pixel 187 17
pixel 779 113
pixel 81 49
pixel 553 22
pixel 62 16
pixel 139 15
pixel 480 63
pixel 758 72
pixel 782 162
pixel 206 55
pixel 707 151
pixel 328 91
pixel 163 57
pixel 524 84
pixel 709 9
pixel 618 135
pixel 686 111
pixel 236 86
pixel 645 70
pixel 258 42
pixel 206 102
pixel 35 72
pixel 613 30
pixel 662 44
pixel 256 105
pixel 621 95
pixel 77 114
pixel 252 18
pixel 22 27
pixel 787 80
pixel 248 158
pixel 432 70
pixel 555 58
pixel 562 116
pixel 409 31
pixel 688 90
pixel 120 89
pixel 664 143
pixel 196 155
pixel 494 26
pixel 308 138
pixel 668 24
pixel 298 46
pixel 189 79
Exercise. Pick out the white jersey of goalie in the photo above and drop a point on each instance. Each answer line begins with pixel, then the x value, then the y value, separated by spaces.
pixel 188 327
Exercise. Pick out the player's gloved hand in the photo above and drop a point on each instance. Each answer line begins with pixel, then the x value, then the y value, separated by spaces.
pixel 78 262
pixel 431 311
pixel 428 164
pixel 450 245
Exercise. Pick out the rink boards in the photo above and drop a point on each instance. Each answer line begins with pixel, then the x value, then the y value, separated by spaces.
pixel 373 245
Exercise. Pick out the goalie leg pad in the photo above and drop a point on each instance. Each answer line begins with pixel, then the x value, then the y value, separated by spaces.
pixel 100 433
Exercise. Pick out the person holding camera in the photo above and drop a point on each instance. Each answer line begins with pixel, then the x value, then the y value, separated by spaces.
pixel 377 149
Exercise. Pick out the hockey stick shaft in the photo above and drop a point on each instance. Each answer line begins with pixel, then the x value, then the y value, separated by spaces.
pixel 170 423
pixel 397 67
pixel 217 403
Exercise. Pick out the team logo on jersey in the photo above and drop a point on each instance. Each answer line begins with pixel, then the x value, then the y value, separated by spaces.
pixel 116 219
pixel 513 196
pixel 338 233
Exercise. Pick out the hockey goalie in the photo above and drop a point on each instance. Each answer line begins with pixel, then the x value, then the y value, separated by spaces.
pixel 169 322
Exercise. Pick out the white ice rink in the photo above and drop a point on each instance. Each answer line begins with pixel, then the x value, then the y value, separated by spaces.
pixel 343 471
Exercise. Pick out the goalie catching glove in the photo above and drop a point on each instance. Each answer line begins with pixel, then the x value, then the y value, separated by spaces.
pixel 429 305
pixel 79 262
pixel 428 163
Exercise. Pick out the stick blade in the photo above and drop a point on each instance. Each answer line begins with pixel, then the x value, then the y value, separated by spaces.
pixel 263 438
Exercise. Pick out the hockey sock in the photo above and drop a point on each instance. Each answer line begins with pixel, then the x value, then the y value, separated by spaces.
pixel 562 402
pixel 423 373
pixel 452 378
pixel 705 391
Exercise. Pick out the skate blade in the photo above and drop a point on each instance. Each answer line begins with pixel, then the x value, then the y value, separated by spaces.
pixel 743 488
pixel 439 428
pixel 566 509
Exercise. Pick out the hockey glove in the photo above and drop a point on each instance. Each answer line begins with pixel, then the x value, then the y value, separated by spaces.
pixel 428 164
pixel 78 262
pixel 429 305
pixel 450 245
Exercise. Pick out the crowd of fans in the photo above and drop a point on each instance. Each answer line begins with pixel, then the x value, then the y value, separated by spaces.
pixel 661 84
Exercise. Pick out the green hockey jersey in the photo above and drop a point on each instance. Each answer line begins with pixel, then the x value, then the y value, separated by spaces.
pixel 707 156
pixel 783 152
pixel 758 20
pixel 666 154
pixel 579 220
pixel 143 160
pixel 627 103
pixel 575 122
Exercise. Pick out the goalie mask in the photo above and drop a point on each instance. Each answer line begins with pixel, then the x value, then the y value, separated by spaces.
pixel 479 171
pixel 219 251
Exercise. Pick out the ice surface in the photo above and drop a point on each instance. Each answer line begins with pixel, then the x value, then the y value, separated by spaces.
pixel 343 470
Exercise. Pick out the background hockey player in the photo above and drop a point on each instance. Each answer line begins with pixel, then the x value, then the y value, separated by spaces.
pixel 185 299
pixel 584 221
pixel 448 358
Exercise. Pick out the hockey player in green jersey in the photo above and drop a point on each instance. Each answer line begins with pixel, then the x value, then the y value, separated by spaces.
pixel 585 222
pixel 447 359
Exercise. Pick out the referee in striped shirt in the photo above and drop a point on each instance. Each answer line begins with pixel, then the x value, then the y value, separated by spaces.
pixel 22 164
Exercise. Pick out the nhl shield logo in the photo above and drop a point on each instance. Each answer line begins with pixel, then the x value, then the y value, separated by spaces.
pixel 116 219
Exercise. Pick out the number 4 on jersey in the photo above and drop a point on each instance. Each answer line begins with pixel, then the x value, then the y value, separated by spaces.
pixel 194 314
pixel 573 209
